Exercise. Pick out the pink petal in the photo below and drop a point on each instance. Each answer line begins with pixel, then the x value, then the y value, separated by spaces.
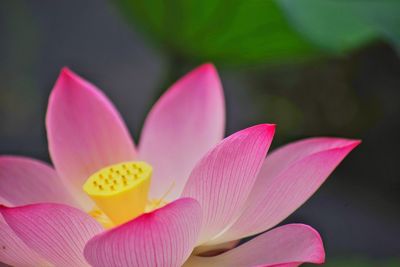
pixel 223 179
pixel 25 181
pixel 215 249
pixel 13 251
pixel 287 179
pixel 164 237
pixel 4 202
pixel 288 245
pixel 85 132
pixel 56 232
pixel 183 125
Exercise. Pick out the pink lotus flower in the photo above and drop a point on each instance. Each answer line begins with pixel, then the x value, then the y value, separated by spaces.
pixel 205 193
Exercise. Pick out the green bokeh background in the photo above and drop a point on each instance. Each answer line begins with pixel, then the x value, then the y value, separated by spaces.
pixel 235 32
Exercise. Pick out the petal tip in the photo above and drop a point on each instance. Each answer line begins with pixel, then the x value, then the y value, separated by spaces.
pixel 356 142
pixel 63 82
pixel 65 70
pixel 318 255
pixel 207 70
pixel 67 74
pixel 319 249
pixel 269 126
pixel 68 79
pixel 350 144
pixel 332 143
pixel 207 67
pixel 264 127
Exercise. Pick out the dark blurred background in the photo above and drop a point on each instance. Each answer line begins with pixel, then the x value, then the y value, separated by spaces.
pixel 312 67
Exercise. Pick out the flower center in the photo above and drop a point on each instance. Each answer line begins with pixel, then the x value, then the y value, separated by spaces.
pixel 120 190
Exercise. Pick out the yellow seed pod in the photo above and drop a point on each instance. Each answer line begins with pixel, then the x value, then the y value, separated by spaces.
pixel 120 190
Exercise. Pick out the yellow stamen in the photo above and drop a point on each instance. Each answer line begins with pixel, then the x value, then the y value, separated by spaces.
pixel 101 218
pixel 158 203
pixel 123 195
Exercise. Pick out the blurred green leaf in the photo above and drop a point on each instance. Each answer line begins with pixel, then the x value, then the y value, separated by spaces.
pixel 340 25
pixel 384 15
pixel 222 31
pixel 255 31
